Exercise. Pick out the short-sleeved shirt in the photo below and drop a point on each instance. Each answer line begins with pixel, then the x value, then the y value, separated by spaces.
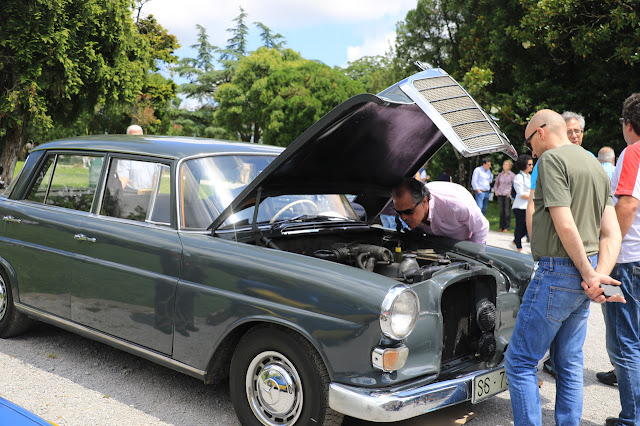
pixel 626 181
pixel 569 176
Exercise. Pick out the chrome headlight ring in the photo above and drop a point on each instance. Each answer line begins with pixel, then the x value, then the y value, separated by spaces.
pixel 399 312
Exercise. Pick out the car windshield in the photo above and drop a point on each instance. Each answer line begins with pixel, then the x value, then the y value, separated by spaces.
pixel 209 184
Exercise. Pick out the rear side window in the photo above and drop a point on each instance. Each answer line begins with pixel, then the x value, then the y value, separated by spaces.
pixel 138 190
pixel 67 181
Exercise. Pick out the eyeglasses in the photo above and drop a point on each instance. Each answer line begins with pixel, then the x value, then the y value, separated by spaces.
pixel 576 131
pixel 527 141
pixel 529 164
pixel 407 212
pixel 622 120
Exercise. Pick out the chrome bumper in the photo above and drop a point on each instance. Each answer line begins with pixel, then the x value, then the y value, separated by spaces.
pixel 391 405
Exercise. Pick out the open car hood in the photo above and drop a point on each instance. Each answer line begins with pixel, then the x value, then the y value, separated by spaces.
pixel 369 143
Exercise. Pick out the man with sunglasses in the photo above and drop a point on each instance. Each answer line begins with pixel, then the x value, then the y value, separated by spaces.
pixel 440 208
pixel 575 241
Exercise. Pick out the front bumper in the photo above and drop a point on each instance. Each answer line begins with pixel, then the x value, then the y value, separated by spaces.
pixel 395 404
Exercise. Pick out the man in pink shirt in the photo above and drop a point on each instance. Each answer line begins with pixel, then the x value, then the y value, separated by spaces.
pixel 440 208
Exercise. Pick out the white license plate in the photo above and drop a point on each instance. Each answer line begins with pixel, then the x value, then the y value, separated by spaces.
pixel 488 385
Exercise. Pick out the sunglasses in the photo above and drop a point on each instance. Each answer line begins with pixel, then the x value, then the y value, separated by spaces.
pixel 527 141
pixel 622 120
pixel 407 212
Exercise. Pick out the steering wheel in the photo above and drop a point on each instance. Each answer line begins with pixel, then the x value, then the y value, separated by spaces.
pixel 291 204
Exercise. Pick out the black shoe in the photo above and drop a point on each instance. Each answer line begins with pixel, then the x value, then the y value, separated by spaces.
pixel 611 421
pixel 547 367
pixel 608 378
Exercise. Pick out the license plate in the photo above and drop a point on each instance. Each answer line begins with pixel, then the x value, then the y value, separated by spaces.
pixel 489 384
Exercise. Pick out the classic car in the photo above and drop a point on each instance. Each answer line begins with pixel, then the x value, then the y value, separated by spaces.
pixel 246 262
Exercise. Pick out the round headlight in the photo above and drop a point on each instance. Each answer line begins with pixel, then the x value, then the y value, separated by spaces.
pixel 399 312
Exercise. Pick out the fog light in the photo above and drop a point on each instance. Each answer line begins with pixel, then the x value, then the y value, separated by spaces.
pixel 487 346
pixel 486 315
pixel 389 359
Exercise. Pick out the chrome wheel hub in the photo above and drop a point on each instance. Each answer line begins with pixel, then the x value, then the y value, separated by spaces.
pixel 3 299
pixel 274 390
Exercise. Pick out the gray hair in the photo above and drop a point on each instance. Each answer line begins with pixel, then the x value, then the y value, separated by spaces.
pixel 606 155
pixel 568 115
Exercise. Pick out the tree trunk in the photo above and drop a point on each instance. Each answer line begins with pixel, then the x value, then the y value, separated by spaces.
pixel 13 143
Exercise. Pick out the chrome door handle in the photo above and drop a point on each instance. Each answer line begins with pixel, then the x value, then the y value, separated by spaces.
pixel 82 237
pixel 11 219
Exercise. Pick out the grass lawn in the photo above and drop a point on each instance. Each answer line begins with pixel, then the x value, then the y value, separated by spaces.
pixel 493 216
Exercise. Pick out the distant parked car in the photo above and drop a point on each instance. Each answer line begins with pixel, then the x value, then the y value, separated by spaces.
pixel 243 261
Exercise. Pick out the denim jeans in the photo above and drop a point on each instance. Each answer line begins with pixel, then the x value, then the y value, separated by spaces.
pixel 554 312
pixel 623 341
pixel 482 200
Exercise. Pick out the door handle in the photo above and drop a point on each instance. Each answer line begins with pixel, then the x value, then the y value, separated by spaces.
pixel 82 237
pixel 11 219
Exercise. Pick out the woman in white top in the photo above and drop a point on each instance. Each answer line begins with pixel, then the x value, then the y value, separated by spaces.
pixel 522 186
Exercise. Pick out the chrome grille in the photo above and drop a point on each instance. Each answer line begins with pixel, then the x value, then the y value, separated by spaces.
pixel 470 123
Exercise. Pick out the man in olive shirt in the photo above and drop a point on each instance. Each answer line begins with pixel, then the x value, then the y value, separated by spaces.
pixel 575 242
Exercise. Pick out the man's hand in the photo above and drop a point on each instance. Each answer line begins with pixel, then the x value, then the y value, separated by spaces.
pixel 592 288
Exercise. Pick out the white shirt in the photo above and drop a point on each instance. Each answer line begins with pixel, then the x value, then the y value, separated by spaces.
pixel 522 184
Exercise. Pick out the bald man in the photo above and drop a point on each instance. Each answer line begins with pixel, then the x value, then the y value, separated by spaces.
pixel 134 129
pixel 607 157
pixel 575 240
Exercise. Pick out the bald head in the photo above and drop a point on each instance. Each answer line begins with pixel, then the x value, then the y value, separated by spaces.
pixel 134 129
pixel 551 131
pixel 606 155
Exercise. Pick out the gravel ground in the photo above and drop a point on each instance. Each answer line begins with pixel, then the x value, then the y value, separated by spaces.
pixel 70 380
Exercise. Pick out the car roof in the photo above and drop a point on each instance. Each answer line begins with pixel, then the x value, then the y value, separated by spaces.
pixel 172 147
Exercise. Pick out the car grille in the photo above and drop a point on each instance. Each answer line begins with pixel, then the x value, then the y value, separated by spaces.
pixel 475 130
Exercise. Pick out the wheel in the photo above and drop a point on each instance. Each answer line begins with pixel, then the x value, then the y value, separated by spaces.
pixel 12 322
pixel 278 379
pixel 291 204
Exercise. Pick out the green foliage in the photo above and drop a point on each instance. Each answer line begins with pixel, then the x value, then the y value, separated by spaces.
pixel 375 73
pixel 60 59
pixel 276 95
pixel 518 56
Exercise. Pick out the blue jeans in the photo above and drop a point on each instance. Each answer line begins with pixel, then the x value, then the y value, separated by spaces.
pixel 553 313
pixel 482 200
pixel 623 341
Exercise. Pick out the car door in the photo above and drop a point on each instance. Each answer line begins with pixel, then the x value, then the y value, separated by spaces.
pixel 41 226
pixel 126 284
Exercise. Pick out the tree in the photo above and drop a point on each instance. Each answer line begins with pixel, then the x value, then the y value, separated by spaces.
pixel 516 57
pixel 375 73
pixel 60 59
pixel 275 95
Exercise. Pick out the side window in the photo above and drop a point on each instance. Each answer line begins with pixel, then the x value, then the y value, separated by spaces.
pixel 138 190
pixel 67 181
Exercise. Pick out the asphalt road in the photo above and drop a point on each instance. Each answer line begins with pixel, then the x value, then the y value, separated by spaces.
pixel 70 380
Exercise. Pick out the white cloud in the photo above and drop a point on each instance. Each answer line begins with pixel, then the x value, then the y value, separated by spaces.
pixel 376 45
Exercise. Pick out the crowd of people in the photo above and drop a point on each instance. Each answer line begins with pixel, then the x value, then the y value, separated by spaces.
pixel 581 215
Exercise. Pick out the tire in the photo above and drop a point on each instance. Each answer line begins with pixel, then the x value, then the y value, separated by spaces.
pixel 12 322
pixel 296 388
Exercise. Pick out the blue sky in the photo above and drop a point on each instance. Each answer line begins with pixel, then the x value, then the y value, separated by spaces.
pixel 332 31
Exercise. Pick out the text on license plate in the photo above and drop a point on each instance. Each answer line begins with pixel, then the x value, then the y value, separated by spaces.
pixel 489 384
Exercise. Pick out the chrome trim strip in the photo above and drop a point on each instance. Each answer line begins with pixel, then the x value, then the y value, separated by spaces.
pixel 401 403
pixel 92 334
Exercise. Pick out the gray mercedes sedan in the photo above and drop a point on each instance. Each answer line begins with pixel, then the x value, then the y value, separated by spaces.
pixel 263 266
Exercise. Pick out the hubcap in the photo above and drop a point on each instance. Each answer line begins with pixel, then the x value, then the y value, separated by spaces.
pixel 3 299
pixel 274 389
